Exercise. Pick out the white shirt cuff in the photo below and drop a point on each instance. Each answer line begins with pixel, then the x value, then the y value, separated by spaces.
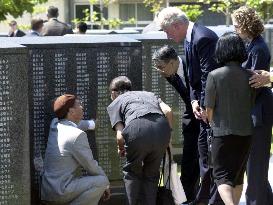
pixel 193 101
pixel 91 124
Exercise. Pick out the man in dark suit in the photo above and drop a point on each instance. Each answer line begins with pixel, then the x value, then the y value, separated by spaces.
pixel 173 68
pixel 54 27
pixel 14 31
pixel 199 49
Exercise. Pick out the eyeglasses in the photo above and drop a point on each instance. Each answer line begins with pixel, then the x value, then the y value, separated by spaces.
pixel 159 67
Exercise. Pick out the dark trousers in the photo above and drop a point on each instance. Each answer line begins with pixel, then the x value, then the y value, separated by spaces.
pixel 258 190
pixel 190 165
pixel 146 140
pixel 208 192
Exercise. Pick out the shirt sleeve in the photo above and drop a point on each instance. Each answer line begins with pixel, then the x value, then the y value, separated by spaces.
pixel 114 112
pixel 210 92
pixel 158 99
pixel 86 125
pixel 83 154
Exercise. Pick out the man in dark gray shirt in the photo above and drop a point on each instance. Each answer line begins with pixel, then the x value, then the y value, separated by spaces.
pixel 143 133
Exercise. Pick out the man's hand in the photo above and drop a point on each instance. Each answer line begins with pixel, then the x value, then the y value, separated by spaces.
pixel 121 151
pixel 197 110
pixel 106 195
pixel 259 79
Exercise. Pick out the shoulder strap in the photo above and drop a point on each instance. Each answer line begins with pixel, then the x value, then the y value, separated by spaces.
pixel 168 151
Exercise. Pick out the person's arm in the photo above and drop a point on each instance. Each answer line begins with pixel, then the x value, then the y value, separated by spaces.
pixel 86 125
pixel 169 115
pixel 120 140
pixel 167 112
pixel 209 112
pixel 206 49
pixel 210 97
pixel 81 151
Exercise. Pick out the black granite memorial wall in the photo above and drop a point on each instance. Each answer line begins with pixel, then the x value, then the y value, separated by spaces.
pixel 14 135
pixel 82 65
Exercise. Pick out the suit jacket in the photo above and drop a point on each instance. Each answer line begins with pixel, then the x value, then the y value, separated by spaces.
pixel 33 34
pixel 259 59
pixel 200 60
pixel 19 33
pixel 184 92
pixel 56 28
pixel 67 152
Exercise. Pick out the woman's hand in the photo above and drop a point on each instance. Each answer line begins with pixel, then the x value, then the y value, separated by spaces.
pixel 120 140
pixel 120 143
pixel 106 195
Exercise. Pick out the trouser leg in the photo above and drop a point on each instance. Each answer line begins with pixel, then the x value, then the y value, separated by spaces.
pixel 145 143
pixel 94 193
pixel 258 190
pixel 190 174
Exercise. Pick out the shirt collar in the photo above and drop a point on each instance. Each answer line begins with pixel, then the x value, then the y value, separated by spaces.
pixel 68 122
pixel 32 31
pixel 189 31
pixel 52 19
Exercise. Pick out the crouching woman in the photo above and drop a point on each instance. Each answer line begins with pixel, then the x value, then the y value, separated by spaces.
pixel 67 153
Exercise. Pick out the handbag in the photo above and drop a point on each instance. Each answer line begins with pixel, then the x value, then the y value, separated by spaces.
pixel 164 195
pixel 176 187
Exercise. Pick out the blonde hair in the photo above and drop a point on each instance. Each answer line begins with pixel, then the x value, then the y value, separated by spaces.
pixel 170 15
pixel 248 21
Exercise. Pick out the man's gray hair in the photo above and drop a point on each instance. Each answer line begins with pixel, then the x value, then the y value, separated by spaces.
pixel 170 15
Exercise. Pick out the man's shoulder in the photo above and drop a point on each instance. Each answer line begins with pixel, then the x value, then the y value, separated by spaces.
pixel 20 33
pixel 202 32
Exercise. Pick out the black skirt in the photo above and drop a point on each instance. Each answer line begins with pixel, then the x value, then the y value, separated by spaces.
pixel 229 157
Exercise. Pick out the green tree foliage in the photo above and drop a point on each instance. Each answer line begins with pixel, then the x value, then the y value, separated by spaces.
pixel 193 11
pixel 16 8
pixel 154 5
pixel 263 7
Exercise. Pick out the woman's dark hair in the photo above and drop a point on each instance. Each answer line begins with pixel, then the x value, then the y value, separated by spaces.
pixel 230 47
pixel 120 84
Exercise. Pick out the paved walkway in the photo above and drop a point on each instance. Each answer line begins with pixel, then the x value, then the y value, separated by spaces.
pixel 270 176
